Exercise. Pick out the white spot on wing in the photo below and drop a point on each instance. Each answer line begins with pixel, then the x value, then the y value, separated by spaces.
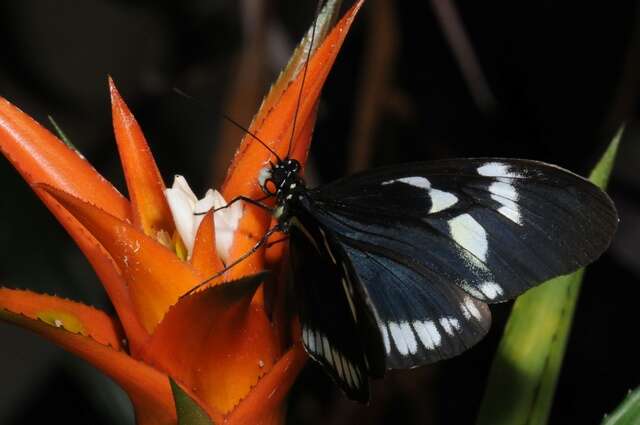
pixel 355 377
pixel 385 337
pixel 449 324
pixel 471 308
pixel 496 169
pixel 491 290
pixel 336 363
pixel 511 214
pixel 465 312
pixel 472 290
pixel 506 194
pixel 350 371
pixel 311 340
pixel 397 333
pixel 428 333
pixel 326 349
pixel 345 369
pixel 504 190
pixel 409 337
pixel 441 200
pixel 470 235
pixel 417 181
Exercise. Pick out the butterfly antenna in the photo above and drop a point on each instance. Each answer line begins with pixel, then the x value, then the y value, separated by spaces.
pixel 232 121
pixel 304 75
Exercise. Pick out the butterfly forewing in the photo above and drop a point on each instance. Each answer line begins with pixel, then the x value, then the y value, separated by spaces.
pixel 493 227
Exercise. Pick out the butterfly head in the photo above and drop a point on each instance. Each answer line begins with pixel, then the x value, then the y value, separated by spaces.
pixel 283 180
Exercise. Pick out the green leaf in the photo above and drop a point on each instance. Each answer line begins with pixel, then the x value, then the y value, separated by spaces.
pixel 189 412
pixel 525 369
pixel 628 413
pixel 602 171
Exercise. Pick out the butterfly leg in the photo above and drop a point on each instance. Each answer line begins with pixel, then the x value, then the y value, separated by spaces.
pixel 270 244
pixel 257 202
pixel 256 247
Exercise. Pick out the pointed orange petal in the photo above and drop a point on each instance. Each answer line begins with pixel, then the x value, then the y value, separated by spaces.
pixel 40 157
pixel 156 277
pixel 205 258
pixel 149 389
pixel 251 228
pixel 228 346
pixel 149 209
pixel 323 24
pixel 302 143
pixel 264 403
pixel 107 271
pixel 70 315
pixel 275 130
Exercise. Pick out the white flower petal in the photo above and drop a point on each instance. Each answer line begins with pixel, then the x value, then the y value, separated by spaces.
pixel 226 221
pixel 206 203
pixel 180 183
pixel 182 211
pixel 188 213
pixel 218 200
pixel 201 208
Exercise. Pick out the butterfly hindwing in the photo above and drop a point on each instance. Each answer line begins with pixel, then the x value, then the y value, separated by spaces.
pixel 493 227
pixel 401 314
pixel 327 311
pixel 421 317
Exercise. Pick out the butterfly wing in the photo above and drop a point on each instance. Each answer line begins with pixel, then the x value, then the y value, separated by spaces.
pixel 429 243
pixel 493 227
pixel 364 310
pixel 327 309
pixel 420 317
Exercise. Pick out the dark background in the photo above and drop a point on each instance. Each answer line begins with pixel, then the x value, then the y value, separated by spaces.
pixel 556 80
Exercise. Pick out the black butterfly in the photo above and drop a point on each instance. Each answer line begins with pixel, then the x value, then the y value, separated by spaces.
pixel 393 267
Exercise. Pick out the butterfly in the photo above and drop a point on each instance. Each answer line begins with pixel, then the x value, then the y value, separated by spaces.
pixel 394 267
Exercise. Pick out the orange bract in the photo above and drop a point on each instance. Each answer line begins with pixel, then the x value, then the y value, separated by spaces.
pixel 149 208
pixel 274 126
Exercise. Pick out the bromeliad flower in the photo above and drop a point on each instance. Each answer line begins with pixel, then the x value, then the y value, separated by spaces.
pixel 220 346
pixel 188 212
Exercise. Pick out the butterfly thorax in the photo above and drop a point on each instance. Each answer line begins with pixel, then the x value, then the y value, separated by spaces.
pixel 283 181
